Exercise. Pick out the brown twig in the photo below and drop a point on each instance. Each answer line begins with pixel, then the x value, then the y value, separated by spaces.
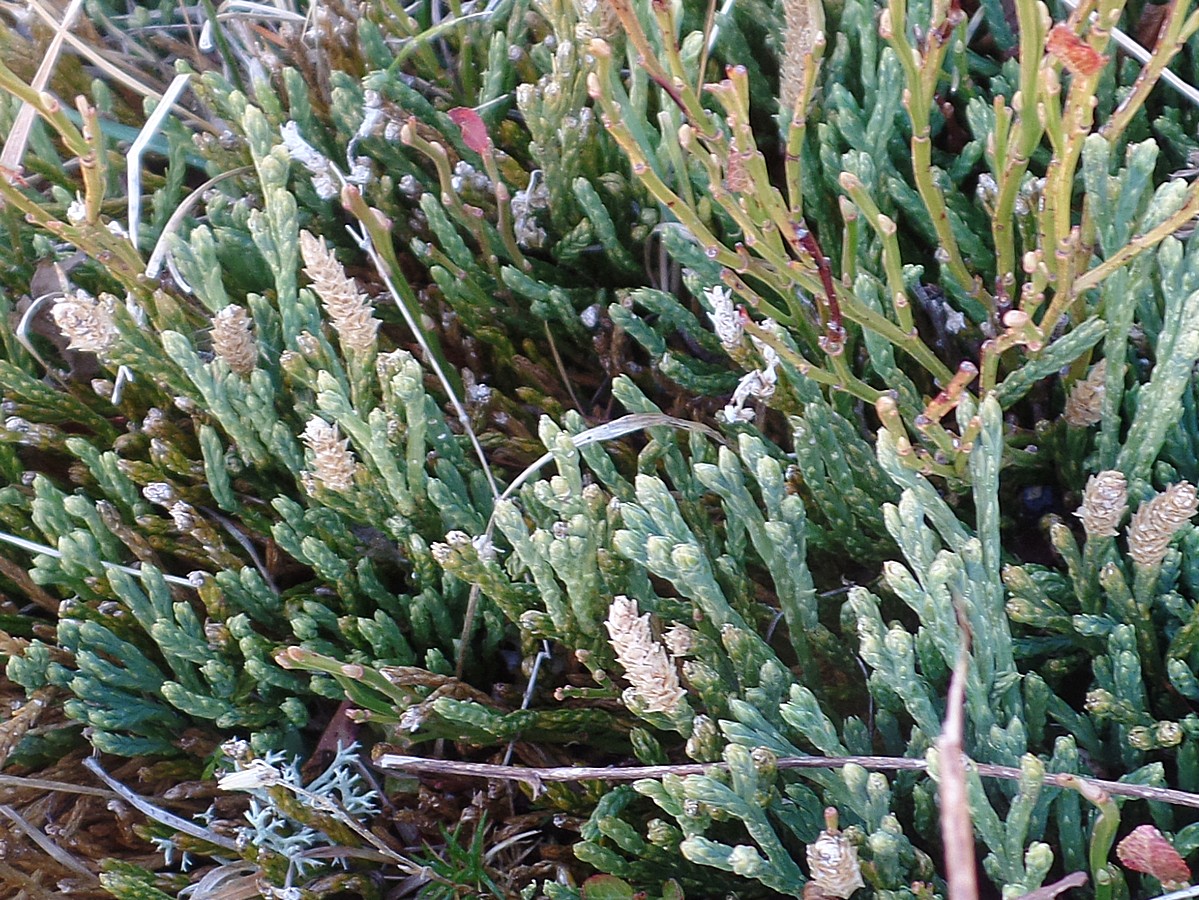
pixel 535 777
pixel 1049 891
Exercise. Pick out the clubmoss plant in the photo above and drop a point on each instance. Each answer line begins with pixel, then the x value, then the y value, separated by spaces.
pixel 647 382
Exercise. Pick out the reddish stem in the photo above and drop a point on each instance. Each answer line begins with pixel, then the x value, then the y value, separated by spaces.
pixel 834 325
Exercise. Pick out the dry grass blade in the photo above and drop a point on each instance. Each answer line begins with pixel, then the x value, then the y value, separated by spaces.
pixel 18 136
pixel 562 373
pixel 43 784
pixel 245 9
pixel 606 432
pixel 61 856
pixel 535 776
pixel 233 881
pixel 34 547
pixel 133 165
pixel 21 332
pixel 957 831
pixel 159 254
pixel 119 74
pixel 151 811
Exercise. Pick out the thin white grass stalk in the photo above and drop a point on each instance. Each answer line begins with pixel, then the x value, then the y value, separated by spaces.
pixel 972 26
pixel 34 547
pixel 232 9
pixel 230 880
pixel 605 432
pixel 159 253
pixel 18 135
pixel 140 803
pixel 246 545
pixel 508 842
pixel 61 856
pixel 362 238
pixel 116 72
pixel 364 241
pixel 133 160
pixel 22 332
pixel 124 377
pixel 544 655
pixel 494 101
pixel 177 276
pixel 725 10
pixel 309 22
pixel 1135 50
pixel 245 9
pixel 410 44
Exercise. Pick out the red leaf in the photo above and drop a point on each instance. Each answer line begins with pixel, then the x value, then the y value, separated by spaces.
pixel 1146 850
pixel 1077 55
pixel 474 132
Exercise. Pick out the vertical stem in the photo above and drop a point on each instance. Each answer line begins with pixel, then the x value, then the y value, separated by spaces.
pixel 1021 141
pixel 797 130
pixel 884 226
pixel 849 242
pixel 1077 119
pixel 503 201
pixel 1175 32
pixel 922 73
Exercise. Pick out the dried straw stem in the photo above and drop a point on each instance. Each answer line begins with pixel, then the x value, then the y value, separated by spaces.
pixel 536 777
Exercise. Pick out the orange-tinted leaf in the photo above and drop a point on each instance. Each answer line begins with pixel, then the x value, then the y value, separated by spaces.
pixel 606 887
pixel 1077 55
